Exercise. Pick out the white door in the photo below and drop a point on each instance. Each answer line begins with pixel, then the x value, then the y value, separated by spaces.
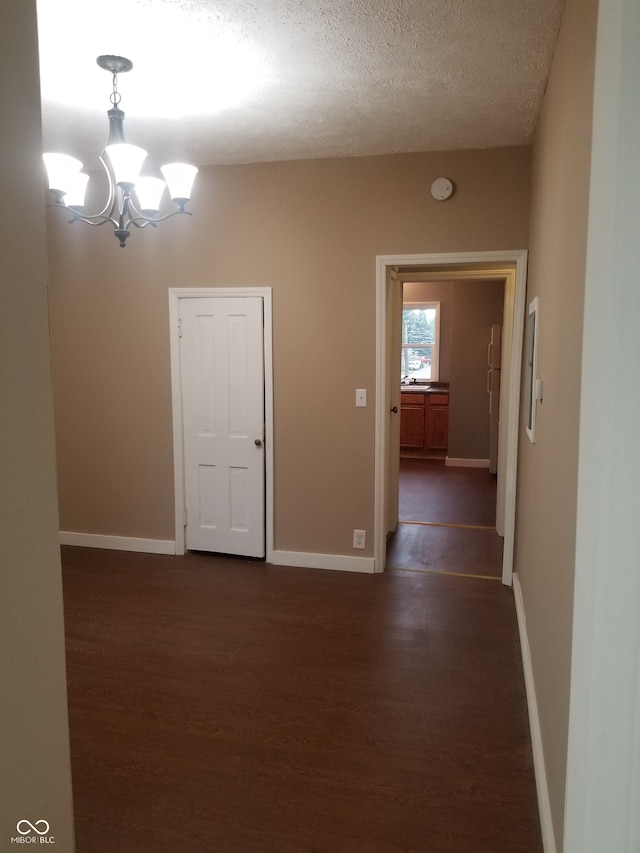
pixel 392 385
pixel 222 381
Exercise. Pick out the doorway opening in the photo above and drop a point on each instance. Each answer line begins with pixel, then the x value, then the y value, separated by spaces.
pixel 449 421
pixel 510 267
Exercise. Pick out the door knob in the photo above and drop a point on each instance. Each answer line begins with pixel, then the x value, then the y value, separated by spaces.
pixel 258 442
pixel 395 410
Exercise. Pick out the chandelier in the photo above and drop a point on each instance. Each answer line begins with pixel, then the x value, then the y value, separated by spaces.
pixel 132 200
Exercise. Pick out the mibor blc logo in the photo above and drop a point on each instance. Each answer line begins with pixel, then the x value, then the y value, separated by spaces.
pixel 33 833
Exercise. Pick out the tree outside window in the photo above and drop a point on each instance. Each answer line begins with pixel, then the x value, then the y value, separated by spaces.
pixel 420 341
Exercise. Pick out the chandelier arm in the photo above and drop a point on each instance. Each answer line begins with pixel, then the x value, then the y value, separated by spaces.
pixel 132 211
pixel 89 220
pixel 148 220
pixel 137 224
pixel 110 206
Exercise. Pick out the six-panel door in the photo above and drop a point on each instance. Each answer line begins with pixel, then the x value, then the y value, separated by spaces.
pixel 222 379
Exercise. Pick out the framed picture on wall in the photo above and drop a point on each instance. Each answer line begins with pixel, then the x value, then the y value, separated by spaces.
pixel 533 385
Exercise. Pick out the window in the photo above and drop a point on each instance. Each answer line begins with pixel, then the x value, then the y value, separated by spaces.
pixel 420 341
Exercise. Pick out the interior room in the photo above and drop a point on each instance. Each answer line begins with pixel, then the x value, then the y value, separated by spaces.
pixel 311 697
pixel 450 384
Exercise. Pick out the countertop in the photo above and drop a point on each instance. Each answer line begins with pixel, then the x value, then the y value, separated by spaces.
pixel 435 388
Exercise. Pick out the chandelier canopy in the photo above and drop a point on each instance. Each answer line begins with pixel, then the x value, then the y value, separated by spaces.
pixel 132 199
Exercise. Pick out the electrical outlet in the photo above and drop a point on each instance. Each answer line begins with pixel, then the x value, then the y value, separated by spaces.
pixel 359 538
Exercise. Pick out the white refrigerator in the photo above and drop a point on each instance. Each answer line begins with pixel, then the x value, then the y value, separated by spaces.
pixel 494 358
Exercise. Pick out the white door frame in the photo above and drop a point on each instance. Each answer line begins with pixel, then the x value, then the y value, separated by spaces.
pixel 175 295
pixel 518 258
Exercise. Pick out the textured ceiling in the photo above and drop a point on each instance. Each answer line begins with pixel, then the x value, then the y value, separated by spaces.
pixel 234 81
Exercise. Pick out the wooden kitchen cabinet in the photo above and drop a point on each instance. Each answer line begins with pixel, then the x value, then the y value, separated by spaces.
pixel 412 420
pixel 437 437
pixel 424 421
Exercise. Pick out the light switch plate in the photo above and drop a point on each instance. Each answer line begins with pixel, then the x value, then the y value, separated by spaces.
pixel 361 397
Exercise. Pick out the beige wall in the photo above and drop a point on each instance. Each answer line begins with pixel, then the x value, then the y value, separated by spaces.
pixel 545 542
pixel 311 231
pixel 35 779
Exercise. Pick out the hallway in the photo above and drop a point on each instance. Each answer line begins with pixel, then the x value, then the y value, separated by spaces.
pixel 447 521
pixel 233 706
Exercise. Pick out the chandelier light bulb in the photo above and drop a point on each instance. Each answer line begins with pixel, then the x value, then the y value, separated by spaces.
pixel 76 191
pixel 149 192
pixel 126 161
pixel 60 170
pixel 179 178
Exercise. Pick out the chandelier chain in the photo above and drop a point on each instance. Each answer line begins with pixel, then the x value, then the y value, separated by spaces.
pixel 115 95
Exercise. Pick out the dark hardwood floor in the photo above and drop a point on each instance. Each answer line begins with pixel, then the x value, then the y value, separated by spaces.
pixel 226 705
pixel 435 492
pixel 447 521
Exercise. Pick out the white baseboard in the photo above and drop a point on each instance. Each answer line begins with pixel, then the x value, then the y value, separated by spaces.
pixel 544 806
pixel 337 562
pixel 118 543
pixel 455 462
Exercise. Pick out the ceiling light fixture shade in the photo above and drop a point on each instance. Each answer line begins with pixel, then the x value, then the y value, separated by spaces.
pixel 61 169
pixel 179 178
pixel 126 161
pixel 149 192
pixel 122 163
pixel 76 191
